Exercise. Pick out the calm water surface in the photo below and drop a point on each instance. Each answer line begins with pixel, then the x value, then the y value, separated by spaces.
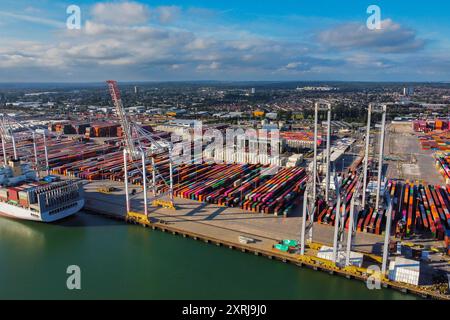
pixel 120 261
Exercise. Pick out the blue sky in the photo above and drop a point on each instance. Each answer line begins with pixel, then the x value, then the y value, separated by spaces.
pixel 224 40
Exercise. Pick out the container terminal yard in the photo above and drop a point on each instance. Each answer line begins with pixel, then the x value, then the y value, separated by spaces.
pixel 319 197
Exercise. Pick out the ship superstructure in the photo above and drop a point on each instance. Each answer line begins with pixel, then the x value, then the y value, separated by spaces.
pixel 24 196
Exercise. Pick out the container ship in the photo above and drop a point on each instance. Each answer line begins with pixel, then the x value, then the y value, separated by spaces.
pixel 24 196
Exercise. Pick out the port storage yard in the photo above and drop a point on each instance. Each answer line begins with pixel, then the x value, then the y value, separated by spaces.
pixel 248 187
pixel 425 208
pixel 218 203
pixel 245 186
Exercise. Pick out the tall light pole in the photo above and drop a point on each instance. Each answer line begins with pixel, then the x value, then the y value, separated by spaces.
pixel 144 180
pixel 387 236
pixel 5 158
pixel 342 226
pixel 327 173
pixel 350 231
pixel 125 175
pixel 322 106
pixel 153 177
pixel 366 155
pixel 47 168
pixel 336 227
pixel 14 145
pixel 302 236
pixel 316 115
pixel 170 175
pixel 381 155
pixel 35 149
pixel 336 219
pixel 354 202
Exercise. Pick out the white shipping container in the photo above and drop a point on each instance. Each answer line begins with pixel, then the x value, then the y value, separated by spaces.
pixel 219 156
pixel 264 159
pixel 405 270
pixel 230 156
pixel 356 259
pixel 326 253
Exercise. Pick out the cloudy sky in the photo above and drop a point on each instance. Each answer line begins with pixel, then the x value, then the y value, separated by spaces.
pixel 224 40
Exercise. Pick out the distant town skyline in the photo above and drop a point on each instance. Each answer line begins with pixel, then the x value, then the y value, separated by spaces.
pixel 224 40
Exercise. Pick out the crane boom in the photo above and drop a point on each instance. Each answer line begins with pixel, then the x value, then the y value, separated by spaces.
pixel 117 101
pixel 140 151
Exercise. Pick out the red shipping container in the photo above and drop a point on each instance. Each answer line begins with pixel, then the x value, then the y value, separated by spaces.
pixel 13 194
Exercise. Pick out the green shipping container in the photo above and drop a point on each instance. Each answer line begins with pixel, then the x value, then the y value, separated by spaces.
pixel 290 243
pixel 281 247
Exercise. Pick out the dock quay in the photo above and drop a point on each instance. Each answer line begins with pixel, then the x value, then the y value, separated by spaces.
pixel 222 226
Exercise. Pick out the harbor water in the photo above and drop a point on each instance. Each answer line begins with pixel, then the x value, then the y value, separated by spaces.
pixel 120 261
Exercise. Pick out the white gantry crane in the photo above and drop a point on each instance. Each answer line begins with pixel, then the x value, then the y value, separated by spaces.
pixel 310 194
pixel 359 198
pixel 354 202
pixel 134 136
pixel 337 218
pixel 373 108
pixel 309 207
pixel 8 125
pixel 322 105
pixel 7 134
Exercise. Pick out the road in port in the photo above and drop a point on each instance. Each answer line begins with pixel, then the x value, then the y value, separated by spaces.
pixel 121 261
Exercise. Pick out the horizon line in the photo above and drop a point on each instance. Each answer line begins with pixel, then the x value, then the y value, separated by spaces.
pixel 226 81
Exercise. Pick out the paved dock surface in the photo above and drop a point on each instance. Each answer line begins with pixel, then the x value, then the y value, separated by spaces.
pixel 215 220
pixel 415 164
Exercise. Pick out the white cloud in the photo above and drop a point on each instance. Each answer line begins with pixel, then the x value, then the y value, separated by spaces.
pixel 212 66
pixel 121 13
pixel 33 19
pixel 200 44
pixel 118 40
pixel 29 54
pixel 391 38
pixel 31 9
pixel 167 14
pixel 293 65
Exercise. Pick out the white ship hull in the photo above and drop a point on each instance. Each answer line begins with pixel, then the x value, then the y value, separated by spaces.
pixel 16 212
